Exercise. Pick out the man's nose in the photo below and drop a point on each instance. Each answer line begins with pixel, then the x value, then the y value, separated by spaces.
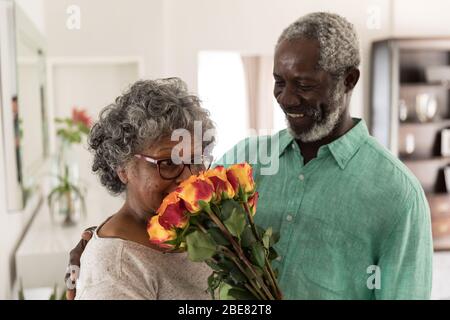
pixel 288 98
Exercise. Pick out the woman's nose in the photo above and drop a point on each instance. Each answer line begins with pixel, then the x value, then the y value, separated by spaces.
pixel 184 175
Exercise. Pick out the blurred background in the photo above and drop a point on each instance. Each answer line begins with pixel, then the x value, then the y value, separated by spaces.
pixel 63 61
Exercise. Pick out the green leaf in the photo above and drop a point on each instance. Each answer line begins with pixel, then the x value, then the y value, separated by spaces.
pixel 258 254
pixel 237 276
pixel 213 283
pixel 172 242
pixel 21 291
pixel 225 264
pixel 274 238
pixel 203 204
pixel 218 237
pixel 223 292
pixel 247 237
pixel 213 265
pixel 266 238
pixel 53 296
pixel 241 294
pixel 63 296
pixel 200 246
pixel 228 206
pixel 272 254
pixel 236 223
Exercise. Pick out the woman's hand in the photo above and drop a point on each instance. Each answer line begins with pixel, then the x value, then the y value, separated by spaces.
pixel 73 269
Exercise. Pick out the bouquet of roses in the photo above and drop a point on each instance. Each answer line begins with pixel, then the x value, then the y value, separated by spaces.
pixel 211 216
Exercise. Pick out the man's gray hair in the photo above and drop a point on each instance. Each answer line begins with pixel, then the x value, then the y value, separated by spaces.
pixel 147 112
pixel 338 41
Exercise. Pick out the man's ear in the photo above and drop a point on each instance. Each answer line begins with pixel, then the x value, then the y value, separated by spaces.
pixel 351 79
pixel 123 175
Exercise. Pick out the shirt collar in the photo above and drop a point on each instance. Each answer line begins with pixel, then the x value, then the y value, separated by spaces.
pixel 342 149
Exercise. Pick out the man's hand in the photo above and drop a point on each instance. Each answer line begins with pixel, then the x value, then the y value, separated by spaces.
pixel 74 263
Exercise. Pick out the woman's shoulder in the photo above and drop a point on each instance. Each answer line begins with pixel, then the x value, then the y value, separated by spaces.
pixel 117 262
pixel 101 257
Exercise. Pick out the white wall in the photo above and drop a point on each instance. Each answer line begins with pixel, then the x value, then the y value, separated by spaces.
pixel 93 87
pixel 421 18
pixel 34 9
pixel 253 26
pixel 109 28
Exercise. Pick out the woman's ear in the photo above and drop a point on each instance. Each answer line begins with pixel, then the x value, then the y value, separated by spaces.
pixel 123 175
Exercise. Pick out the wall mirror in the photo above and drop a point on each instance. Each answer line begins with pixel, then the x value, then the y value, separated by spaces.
pixel 23 104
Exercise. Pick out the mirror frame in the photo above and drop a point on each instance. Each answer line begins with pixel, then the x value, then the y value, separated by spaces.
pixel 15 23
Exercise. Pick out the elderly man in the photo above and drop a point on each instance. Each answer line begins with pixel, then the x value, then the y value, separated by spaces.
pixel 354 222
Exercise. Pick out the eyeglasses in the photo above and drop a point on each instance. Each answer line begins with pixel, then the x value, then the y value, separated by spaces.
pixel 169 170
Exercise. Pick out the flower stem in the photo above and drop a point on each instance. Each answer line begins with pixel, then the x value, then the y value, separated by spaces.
pixel 234 258
pixel 239 252
pixel 252 222
pixel 268 269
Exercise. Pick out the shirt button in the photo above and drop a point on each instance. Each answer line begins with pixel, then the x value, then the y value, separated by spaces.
pixel 301 177
pixel 289 217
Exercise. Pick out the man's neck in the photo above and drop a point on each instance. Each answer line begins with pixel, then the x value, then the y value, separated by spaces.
pixel 309 149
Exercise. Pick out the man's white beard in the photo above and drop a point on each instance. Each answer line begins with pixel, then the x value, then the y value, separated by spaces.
pixel 321 129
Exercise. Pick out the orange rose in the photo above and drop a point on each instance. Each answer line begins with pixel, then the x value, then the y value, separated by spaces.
pixel 194 189
pixel 222 187
pixel 172 212
pixel 252 203
pixel 241 175
pixel 158 235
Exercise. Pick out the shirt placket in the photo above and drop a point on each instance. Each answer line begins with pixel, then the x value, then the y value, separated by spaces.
pixel 298 185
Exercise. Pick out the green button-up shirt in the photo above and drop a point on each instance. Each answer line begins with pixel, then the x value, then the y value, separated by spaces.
pixel 354 221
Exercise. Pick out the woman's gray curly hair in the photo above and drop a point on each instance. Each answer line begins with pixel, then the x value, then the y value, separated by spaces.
pixel 148 111
pixel 338 41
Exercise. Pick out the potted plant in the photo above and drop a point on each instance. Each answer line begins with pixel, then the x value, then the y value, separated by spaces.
pixel 64 197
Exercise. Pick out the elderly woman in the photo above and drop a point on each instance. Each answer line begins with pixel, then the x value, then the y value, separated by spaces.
pixel 132 150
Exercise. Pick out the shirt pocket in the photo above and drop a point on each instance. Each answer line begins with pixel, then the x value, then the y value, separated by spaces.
pixel 329 258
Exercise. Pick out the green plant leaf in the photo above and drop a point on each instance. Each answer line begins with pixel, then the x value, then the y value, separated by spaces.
pixel 274 238
pixel 213 265
pixel 272 254
pixel 237 276
pixel 228 206
pixel 258 254
pixel 225 264
pixel 218 237
pixel 200 246
pixel 266 238
pixel 236 223
pixel 213 283
pixel 223 292
pixel 203 204
pixel 53 296
pixel 240 294
pixel 247 237
pixel 21 291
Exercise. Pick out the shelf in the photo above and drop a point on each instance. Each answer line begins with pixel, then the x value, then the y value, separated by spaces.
pixel 438 122
pixel 437 160
pixel 420 85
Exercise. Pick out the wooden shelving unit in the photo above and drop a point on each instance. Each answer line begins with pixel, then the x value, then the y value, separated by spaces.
pixel 398 73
